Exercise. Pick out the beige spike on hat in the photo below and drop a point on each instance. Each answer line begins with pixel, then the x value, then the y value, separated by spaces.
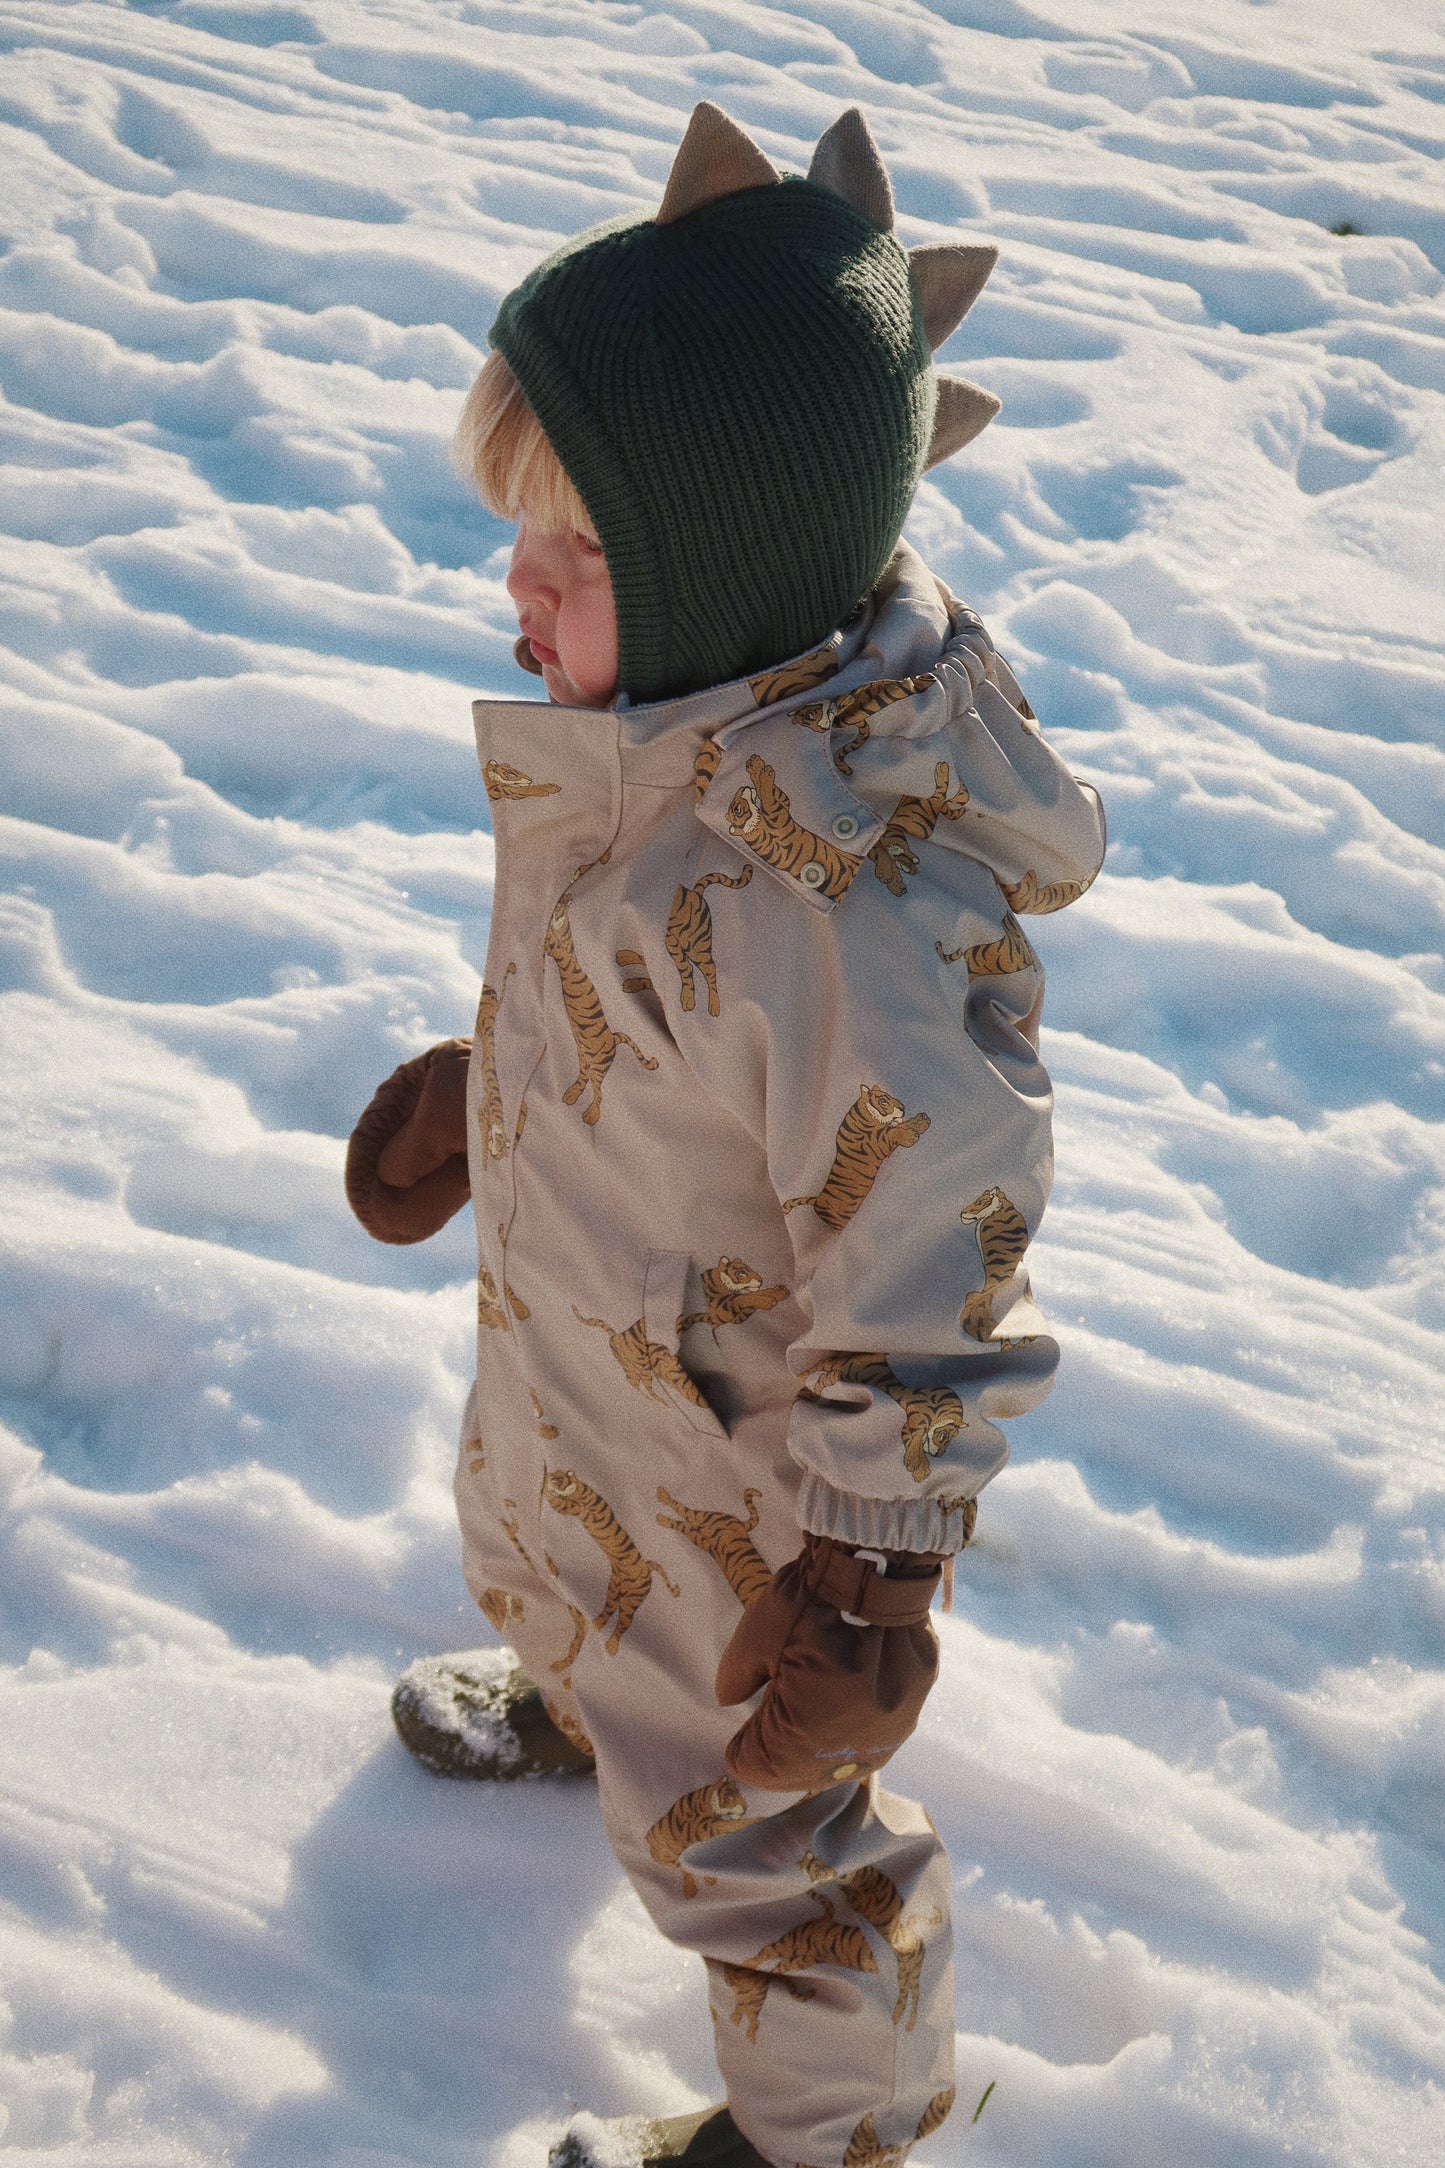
pixel 715 158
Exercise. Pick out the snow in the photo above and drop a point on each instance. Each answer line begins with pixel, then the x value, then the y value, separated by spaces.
pixel 1189 1748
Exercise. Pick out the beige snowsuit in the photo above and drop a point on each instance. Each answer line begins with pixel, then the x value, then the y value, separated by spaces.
pixel 758 1138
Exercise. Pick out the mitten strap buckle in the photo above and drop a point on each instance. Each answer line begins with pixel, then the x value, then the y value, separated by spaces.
pixel 880 1566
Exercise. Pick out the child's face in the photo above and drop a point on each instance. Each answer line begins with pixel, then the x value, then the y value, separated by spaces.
pixel 563 592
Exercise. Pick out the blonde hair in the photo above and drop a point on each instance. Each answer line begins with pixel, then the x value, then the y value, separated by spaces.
pixel 501 446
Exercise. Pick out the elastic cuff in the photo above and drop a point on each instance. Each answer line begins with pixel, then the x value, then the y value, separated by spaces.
pixel 885 1524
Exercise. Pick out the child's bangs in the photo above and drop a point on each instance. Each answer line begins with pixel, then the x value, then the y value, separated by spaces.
pixel 502 447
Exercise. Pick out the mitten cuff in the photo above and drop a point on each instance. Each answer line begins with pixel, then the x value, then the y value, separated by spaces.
pixel 865 1596
pixel 942 1526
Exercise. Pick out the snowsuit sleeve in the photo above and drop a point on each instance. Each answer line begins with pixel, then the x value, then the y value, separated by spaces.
pixel 907 1113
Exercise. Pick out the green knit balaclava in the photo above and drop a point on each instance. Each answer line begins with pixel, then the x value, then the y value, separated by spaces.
pixel 742 392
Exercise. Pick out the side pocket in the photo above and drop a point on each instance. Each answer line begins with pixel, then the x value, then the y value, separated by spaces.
pixel 664 1304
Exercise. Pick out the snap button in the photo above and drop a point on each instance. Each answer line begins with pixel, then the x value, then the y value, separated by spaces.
pixel 844 826
pixel 812 875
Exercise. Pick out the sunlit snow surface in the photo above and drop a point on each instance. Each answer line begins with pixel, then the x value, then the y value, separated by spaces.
pixel 1189 1749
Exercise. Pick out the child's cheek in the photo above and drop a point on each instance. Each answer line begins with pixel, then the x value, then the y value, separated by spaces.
pixel 590 659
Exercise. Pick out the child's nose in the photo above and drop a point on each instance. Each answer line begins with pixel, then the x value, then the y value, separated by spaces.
pixel 527 579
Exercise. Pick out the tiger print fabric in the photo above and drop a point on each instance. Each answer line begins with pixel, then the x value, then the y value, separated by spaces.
pixel 489 1108
pixel 710 1810
pixel 1003 1235
pixel 630 1580
pixel 874 1127
pixel 1031 897
pixel 732 1293
pixel 725 1539
pixel 760 815
pixel 688 938
pixel 992 959
pixel 757 1145
pixel 644 1362
pixel 854 711
pixel 876 1899
pixel 503 781
pixel 596 1043
pixel 912 822
pixel 933 1415
pixel 794 677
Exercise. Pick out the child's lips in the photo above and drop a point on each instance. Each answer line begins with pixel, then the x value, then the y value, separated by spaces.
pixel 544 654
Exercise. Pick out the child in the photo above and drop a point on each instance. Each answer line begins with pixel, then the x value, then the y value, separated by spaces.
pixel 757 1127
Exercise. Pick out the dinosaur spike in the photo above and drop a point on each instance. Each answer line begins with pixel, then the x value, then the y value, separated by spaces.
pixel 963 409
pixel 948 277
pixel 847 161
pixel 714 159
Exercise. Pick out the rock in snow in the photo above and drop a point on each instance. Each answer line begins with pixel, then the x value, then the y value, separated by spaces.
pixel 1188 1750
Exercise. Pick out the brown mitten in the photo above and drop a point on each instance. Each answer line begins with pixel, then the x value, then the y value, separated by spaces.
pixel 841 1698
pixel 406 1164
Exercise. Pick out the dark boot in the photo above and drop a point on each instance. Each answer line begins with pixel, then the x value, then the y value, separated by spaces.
pixel 477 1714
pixel 707 2139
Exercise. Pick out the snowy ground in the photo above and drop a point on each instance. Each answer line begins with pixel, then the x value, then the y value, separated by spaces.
pixel 1189 1752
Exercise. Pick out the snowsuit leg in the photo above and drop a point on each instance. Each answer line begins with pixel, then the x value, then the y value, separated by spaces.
pixel 823 1918
pixel 522 1603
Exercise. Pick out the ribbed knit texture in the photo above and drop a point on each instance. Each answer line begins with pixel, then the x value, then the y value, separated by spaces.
pixel 743 400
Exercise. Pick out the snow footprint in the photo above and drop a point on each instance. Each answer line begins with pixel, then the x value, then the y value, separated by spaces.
pixel 1358 434
pixel 1104 501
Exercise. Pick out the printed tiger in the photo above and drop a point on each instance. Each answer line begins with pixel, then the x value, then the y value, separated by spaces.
pixel 630 1576
pixel 750 1992
pixel 710 1811
pixel 866 2150
pixel 1003 1236
pixel 938 2110
pixel 733 1293
pixel 874 1127
pixel 512 1530
pixel 824 1940
pixel 793 678
pixel 723 1537
pixel 760 818
pixel 544 1428
pixel 489 1099
pixel 705 767
pixel 854 711
pixel 1027 896
pixel 688 939
pixel 499 1607
pixel 913 821
pixel 563 1664
pixel 645 1362
pixel 634 963
pixel 489 1303
pixel 596 1042
pixel 995 959
pixel 876 1898
pixel 503 781
pixel 932 1414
